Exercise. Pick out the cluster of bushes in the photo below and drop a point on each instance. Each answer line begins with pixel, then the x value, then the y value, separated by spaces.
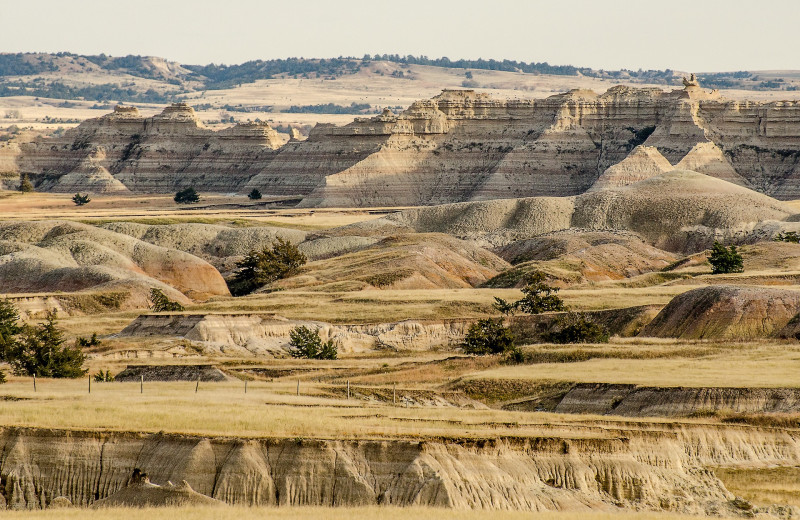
pixel 494 336
pixel 259 268
pixel 39 350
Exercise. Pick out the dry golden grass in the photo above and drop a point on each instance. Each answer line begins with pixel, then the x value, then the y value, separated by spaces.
pixel 268 409
pixel 764 486
pixel 319 513
pixel 745 364
pixel 161 209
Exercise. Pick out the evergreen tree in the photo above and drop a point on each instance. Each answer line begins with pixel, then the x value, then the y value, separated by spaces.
pixel 41 351
pixel 725 260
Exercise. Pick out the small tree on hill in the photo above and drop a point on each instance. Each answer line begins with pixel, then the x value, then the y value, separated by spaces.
pixel 306 343
pixel 80 200
pixel 488 337
pixel 160 303
pixel 725 260
pixel 254 195
pixel 259 268
pixel 41 351
pixel 538 297
pixel 25 184
pixel 187 196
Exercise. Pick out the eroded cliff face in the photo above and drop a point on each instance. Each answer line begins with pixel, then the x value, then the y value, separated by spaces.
pixel 661 469
pixel 457 146
pixel 156 154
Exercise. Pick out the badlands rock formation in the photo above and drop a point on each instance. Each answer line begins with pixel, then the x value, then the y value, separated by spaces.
pixel 157 154
pixel 662 209
pixel 603 468
pixel 457 146
pixel 726 311
pixel 578 255
pixel 643 401
pixel 56 256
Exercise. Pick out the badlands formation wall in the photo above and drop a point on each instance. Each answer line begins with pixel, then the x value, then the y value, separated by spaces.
pixel 659 468
pixel 457 146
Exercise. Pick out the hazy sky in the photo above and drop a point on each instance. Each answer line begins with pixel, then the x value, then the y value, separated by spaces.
pixel 689 35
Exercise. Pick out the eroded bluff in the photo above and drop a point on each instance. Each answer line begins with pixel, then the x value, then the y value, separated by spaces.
pixel 606 468
pixel 457 146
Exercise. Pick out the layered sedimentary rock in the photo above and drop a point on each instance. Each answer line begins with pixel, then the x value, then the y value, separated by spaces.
pixel 156 154
pixel 726 311
pixel 662 469
pixel 457 146
pixel 643 401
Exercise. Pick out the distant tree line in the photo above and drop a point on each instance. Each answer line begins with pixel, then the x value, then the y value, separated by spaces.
pixel 329 108
pixel 106 92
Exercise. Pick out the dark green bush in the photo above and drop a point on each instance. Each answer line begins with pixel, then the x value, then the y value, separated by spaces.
pixel 306 343
pixel 254 195
pixel 259 268
pixel 487 337
pixel 160 303
pixel 80 200
pixel 187 196
pixel 576 328
pixel 101 377
pixel 725 260
pixel 789 236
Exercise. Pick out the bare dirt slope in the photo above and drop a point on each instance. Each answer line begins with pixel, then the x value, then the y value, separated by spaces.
pixel 726 311
pixel 658 208
pixel 412 261
pixel 50 256
pixel 577 256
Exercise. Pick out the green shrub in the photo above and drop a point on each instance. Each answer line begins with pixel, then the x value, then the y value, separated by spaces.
pixel 259 268
pixel 306 343
pixel 538 297
pixel 254 195
pixel 41 351
pixel 160 303
pixel 101 377
pixel 789 236
pixel 187 196
pixel 82 342
pixel 487 337
pixel 725 260
pixel 576 328
pixel 25 184
pixel 80 200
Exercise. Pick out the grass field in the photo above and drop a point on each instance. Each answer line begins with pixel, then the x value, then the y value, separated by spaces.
pixel 266 410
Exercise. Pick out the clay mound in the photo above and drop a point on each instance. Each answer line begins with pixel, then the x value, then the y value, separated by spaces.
pixel 145 494
pixel 491 223
pixel 707 158
pixel 659 207
pixel 55 256
pixel 578 256
pixel 329 247
pixel 725 311
pixel 642 163
pixel 90 176
pixel 206 373
pixel 416 261
pixel 208 241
